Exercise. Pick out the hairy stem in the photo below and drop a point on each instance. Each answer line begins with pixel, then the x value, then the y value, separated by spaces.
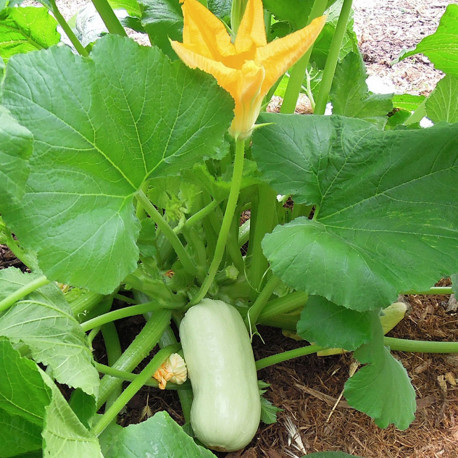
pixel 109 17
pixel 168 233
pixel 333 55
pixel 227 221
pixel 22 292
pixel 133 388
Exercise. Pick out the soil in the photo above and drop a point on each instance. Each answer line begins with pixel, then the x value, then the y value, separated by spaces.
pixel 307 389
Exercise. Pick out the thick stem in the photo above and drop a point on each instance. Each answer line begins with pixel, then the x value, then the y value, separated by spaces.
pixel 113 350
pixel 227 221
pixel 85 303
pixel 440 290
pixel 260 302
pixel 286 355
pixel 129 377
pixel 68 31
pixel 420 346
pixel 22 292
pixel 262 222
pixel 109 17
pixel 333 55
pixel 133 388
pixel 125 312
pixel 285 304
pixel 197 217
pixel 168 232
pixel 298 71
pixel 137 351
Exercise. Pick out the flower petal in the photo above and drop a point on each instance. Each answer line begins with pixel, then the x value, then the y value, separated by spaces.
pixel 277 56
pixel 251 33
pixel 225 76
pixel 203 32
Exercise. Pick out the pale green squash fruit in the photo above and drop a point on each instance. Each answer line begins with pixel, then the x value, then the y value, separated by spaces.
pixel 226 409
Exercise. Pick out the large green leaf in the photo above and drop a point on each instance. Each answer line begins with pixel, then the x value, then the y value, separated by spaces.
pixel 15 149
pixel 386 216
pixel 23 398
pixel 442 103
pixel 350 95
pixel 26 29
pixel 100 128
pixel 442 46
pixel 44 322
pixel 63 434
pixel 157 436
pixel 330 325
pixel 131 6
pixel 382 388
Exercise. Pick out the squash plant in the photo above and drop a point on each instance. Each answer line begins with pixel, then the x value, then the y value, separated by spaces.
pixel 124 174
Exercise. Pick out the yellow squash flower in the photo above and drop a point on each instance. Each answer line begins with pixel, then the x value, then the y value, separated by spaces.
pixel 246 68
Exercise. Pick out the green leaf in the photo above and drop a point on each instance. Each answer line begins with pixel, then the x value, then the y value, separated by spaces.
pixel 15 148
pixel 330 325
pixel 131 6
pixel 157 436
pixel 163 21
pixel 350 95
pixel 442 46
pixel 382 388
pixel 100 130
pixel 23 397
pixel 44 322
pixel 26 29
pixel 63 434
pixel 268 411
pixel 407 101
pixel 442 103
pixel 220 8
pixel 386 216
pixel 84 406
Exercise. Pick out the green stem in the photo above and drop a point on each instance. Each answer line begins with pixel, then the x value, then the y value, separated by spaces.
pixel 287 355
pixel 262 222
pixel 298 71
pixel 260 302
pixel 68 31
pixel 22 292
pixel 196 242
pixel 113 350
pixel 85 303
pixel 130 377
pixel 227 220
pixel 284 304
pixel 133 388
pixel 439 290
pixel 109 17
pixel 197 217
pixel 122 313
pixel 333 55
pixel 420 346
pixel 137 351
pixel 244 233
pixel 168 232
pixel 127 300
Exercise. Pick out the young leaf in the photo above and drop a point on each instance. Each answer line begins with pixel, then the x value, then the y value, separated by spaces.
pixel 330 325
pixel 441 104
pixel 23 398
pixel 382 388
pixel 101 129
pixel 43 321
pixel 407 102
pixel 441 46
pixel 350 95
pixel 157 436
pixel 26 29
pixel 131 6
pixel 386 212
